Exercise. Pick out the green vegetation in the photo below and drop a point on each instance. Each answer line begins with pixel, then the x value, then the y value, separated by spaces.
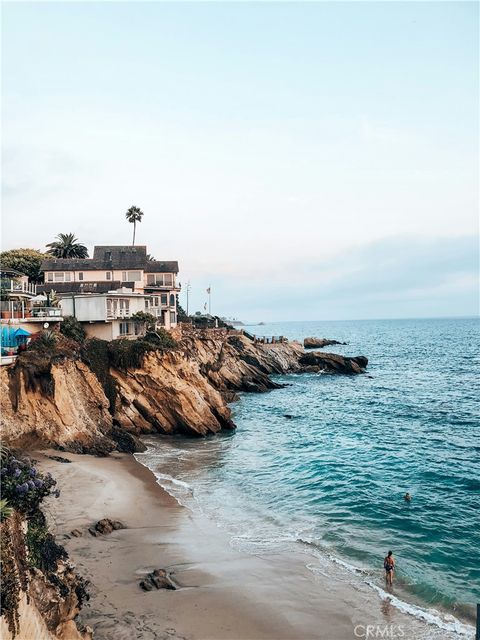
pixel 66 245
pixel 134 215
pixel 26 261
pixel 96 355
pixel 43 552
pixel 23 487
pixel 145 319
pixel 5 510
pixel 73 329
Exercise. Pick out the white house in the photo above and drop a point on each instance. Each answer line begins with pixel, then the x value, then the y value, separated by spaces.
pixel 107 315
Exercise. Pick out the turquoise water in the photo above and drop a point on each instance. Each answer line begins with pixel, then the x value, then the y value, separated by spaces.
pixel 334 474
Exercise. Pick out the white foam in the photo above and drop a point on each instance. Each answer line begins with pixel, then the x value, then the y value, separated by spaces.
pixel 430 616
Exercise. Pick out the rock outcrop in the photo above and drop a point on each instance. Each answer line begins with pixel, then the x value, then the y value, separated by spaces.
pixel 183 390
pixel 61 405
pixel 319 343
pixel 316 362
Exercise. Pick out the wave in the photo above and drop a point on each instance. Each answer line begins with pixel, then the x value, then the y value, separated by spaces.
pixel 431 616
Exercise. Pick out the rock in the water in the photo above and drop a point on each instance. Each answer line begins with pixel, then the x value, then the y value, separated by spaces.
pixel 319 343
pixel 333 363
pixel 76 533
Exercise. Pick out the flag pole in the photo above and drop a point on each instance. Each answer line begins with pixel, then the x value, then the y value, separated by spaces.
pixel 209 299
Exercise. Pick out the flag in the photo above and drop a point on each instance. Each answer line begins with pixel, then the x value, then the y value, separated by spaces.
pixel 205 306
pixel 209 290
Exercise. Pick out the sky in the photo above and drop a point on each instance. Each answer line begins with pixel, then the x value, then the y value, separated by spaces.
pixel 309 161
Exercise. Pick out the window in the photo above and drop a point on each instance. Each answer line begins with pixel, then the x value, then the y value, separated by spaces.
pixel 164 299
pixel 108 275
pixel 80 275
pixel 173 317
pixel 134 276
pixel 124 276
pixel 125 328
pixel 60 276
pixel 172 300
pixel 160 279
pixel 50 277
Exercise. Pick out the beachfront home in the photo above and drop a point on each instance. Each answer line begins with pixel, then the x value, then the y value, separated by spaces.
pixel 117 267
pixel 108 315
pixel 23 312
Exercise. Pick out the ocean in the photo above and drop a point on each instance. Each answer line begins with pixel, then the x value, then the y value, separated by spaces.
pixel 324 463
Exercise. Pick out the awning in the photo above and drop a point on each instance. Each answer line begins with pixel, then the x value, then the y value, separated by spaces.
pixel 22 332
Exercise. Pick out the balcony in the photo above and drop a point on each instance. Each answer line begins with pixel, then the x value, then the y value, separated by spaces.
pixel 18 287
pixel 118 314
pixel 18 310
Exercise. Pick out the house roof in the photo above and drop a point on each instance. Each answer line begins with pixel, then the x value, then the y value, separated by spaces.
pixel 106 257
pixel 155 266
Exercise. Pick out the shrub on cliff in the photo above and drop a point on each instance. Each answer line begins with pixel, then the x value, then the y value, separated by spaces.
pixel 23 487
pixel 73 329
pixel 125 354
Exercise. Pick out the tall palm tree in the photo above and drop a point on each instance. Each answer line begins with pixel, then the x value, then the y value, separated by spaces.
pixel 134 214
pixel 66 245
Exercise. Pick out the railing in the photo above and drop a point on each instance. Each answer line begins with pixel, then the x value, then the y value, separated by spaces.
pixel 46 312
pixel 270 340
pixel 13 309
pixel 18 286
pixel 115 314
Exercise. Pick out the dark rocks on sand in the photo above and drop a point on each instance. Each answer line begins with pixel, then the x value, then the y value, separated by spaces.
pixel 319 343
pixel 76 533
pixel 105 526
pixel 127 442
pixel 59 459
pixel 158 579
pixel 332 363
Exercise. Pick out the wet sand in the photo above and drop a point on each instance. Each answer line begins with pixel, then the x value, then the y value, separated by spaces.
pixel 223 593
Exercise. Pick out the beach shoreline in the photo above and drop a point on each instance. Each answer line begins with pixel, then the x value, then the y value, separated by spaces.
pixel 222 593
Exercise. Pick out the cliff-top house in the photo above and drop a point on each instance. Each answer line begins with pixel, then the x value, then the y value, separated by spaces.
pixel 104 291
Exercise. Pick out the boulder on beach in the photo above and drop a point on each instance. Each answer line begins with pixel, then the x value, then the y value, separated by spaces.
pixel 105 526
pixel 332 363
pixel 319 343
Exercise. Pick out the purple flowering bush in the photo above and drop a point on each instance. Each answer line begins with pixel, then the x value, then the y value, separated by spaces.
pixel 23 486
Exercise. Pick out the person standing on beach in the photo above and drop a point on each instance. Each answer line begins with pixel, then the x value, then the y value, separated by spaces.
pixel 389 565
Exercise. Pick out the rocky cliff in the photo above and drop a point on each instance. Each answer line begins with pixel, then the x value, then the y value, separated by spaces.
pixel 187 389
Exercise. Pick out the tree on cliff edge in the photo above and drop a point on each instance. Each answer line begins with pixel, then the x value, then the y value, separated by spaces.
pixel 134 215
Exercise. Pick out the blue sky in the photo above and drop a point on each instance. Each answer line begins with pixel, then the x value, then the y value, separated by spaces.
pixel 309 160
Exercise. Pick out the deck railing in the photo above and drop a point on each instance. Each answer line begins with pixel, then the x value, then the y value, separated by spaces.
pixel 18 286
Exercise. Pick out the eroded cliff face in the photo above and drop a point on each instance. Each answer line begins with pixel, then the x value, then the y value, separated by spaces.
pixel 185 390
pixel 62 404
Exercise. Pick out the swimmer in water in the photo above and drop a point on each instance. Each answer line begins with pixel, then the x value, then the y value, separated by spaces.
pixel 407 497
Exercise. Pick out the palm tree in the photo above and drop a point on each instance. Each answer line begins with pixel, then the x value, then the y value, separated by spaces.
pixel 134 214
pixel 66 245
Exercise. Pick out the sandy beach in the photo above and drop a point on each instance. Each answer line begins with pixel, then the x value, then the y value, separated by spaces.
pixel 223 594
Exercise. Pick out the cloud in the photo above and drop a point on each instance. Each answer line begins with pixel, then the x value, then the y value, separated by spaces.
pixel 394 277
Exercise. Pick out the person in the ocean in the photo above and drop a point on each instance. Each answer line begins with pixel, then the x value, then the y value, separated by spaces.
pixel 389 565
pixel 407 497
